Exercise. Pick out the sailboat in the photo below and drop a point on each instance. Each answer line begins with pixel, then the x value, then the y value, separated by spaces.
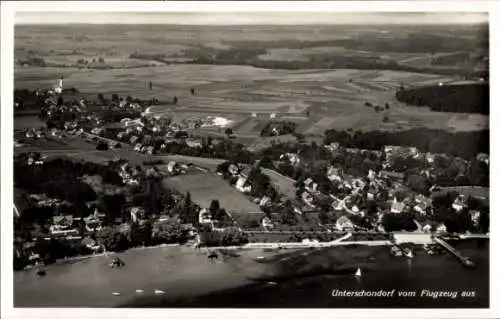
pixel 159 292
pixel 409 253
pixel 358 273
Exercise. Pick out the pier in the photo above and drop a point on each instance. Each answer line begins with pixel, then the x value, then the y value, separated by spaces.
pixel 463 259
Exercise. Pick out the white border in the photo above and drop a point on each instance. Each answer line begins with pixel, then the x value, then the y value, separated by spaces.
pixel 7 59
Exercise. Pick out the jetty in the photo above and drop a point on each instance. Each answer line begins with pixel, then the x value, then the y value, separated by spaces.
pixel 463 259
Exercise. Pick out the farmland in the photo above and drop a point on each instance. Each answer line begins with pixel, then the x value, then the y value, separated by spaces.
pixel 317 99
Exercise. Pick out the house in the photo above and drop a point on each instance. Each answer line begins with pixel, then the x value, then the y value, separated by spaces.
pixel 371 175
pixel 332 146
pixel 441 229
pixel 204 217
pixel 136 213
pixel 397 207
pixel 475 215
pixel 267 223
pixel 246 171
pixel 482 157
pixel 352 150
pixel 308 199
pixel 392 175
pixel 62 225
pixel 133 139
pixel 371 194
pixel 233 169
pixel 241 185
pixel 90 243
pixel 292 158
pixel 333 173
pixel 120 135
pixel 193 143
pixel 264 201
pixel 427 228
pixel 173 167
pixel 459 204
pixel 336 204
pixel 343 223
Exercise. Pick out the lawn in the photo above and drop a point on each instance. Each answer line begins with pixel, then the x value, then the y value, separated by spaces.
pixel 206 187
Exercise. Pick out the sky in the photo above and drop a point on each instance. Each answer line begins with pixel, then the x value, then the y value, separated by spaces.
pixel 267 18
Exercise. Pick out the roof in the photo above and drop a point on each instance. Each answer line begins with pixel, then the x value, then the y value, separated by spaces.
pixel 397 206
pixel 63 219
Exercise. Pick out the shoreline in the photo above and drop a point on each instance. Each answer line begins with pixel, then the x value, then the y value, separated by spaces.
pixel 184 272
pixel 400 238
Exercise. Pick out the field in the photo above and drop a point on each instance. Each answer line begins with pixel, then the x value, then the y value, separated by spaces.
pixel 206 187
pixel 315 98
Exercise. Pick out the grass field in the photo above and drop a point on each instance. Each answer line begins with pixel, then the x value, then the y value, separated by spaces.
pixel 206 187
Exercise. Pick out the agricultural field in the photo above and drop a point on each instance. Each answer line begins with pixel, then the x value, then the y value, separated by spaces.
pixel 206 187
pixel 316 98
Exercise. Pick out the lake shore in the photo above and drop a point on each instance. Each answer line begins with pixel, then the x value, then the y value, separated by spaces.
pixel 177 270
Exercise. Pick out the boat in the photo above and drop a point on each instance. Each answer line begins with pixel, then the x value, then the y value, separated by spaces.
pixel 409 253
pixel 139 291
pixel 159 292
pixel 358 273
pixel 271 283
pixel 468 263
pixel 116 293
pixel 40 272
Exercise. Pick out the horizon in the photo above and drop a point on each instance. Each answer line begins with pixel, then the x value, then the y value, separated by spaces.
pixel 251 18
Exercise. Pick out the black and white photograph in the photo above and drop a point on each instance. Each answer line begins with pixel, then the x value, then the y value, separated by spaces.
pixel 191 159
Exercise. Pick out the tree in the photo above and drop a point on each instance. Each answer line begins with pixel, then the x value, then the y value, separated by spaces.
pixel 100 98
pixel 112 239
pixel 102 146
pixel 214 207
pixel 418 184
pixel 228 131
pixel 484 221
pixel 115 98
pixel 169 233
pixel 101 60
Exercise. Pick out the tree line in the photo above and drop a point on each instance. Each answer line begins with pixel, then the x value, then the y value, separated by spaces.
pixel 466 98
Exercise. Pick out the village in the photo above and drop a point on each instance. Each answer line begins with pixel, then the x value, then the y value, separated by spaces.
pixel 209 190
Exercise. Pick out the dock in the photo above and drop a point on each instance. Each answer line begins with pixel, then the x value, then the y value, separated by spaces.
pixel 463 259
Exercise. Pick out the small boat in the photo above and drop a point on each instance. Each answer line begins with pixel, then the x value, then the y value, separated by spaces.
pixel 140 291
pixel 358 273
pixel 159 292
pixel 116 293
pixel 271 283
pixel 468 263
pixel 40 272
pixel 409 253
pixel 260 257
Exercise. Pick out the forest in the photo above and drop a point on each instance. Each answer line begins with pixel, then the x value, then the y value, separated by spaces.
pixel 467 98
pixel 461 144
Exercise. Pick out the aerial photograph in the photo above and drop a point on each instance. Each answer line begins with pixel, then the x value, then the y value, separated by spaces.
pixel 251 160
